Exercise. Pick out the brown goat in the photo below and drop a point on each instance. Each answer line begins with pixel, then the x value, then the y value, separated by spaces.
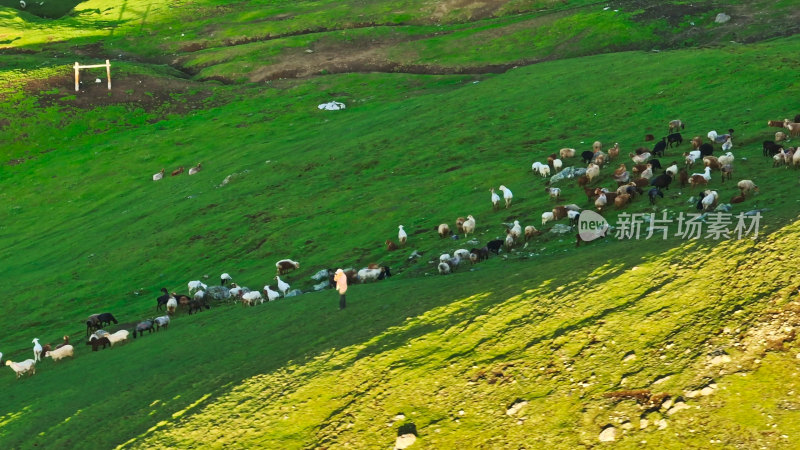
pixel 390 246
pixel 443 230
pixel 177 171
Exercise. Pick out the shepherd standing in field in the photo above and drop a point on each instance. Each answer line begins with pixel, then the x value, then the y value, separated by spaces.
pixel 341 285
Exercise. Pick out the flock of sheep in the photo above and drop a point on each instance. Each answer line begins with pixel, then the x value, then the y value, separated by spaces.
pixel 630 185
pixel 646 174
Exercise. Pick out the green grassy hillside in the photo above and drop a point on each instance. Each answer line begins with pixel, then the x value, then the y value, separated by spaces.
pixel 442 105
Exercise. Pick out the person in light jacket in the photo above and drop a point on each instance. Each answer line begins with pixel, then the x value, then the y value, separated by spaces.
pixel 341 285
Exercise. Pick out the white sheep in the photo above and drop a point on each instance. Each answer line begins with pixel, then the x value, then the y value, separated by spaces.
pixel 468 225
pixel 516 230
pixel 195 169
pixel 780 136
pixel 282 286
pixel 367 274
pixel 746 186
pixel 159 175
pixel 507 195
pixel 547 217
pixel 675 125
pixel 461 253
pixel 224 278
pixel 172 305
pixel 709 201
pixel 250 298
pixel 555 193
pixel 509 241
pixel 537 166
pixel 22 367
pixel 271 295
pixel 37 350
pixel 566 153
pixel 454 262
pixel 444 257
pixel 530 231
pixel 727 145
pixel 706 173
pixel 61 353
pixel 592 172
pixel 444 268
pixel 573 216
pixel 402 237
pixel 640 159
pixel 200 295
pixel 495 199
pixel 647 173
pixel 672 170
pixel 727 158
pixel 544 171
pixel 195 285
pixel 601 201
pixel 557 165
pixel 119 336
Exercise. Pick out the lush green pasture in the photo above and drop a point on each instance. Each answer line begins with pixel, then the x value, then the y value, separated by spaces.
pixel 84 229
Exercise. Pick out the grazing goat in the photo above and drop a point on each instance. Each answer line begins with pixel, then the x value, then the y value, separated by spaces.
pixel 28 366
pixel 674 138
pixel 460 224
pixel 653 193
pixel 775 123
pixel 61 353
pixel 592 172
pixel 287 265
pixel 793 127
pixel 747 186
pixel 119 336
pixel 444 229
pixel 531 231
pixel 507 195
pixel 146 325
pixel 555 193
pixel 780 136
pixel 662 181
pixel 98 342
pixel 468 225
pixel 479 254
pixel 390 246
pixel 195 169
pixel 224 278
pixel 37 350
pixel 737 199
pixel 161 322
pixel 283 286
pixel 566 153
pixel 177 171
pixel 660 147
pixel 676 125
pixel 706 149
pixel 587 156
pixel 495 200
pixel 613 152
pixel 770 148
pixel 159 175
pixel 402 236
pixel 494 246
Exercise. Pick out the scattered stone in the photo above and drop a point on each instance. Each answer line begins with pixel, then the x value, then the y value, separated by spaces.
pixel 567 173
pixel 678 407
pixel 560 228
pixel 629 357
pixel 516 407
pixel 293 293
pixel 608 435
pixel 643 424
pixel 627 425
pixel 725 207
pixel 404 441
pixel 667 404
pixel 720 359
pixel 722 18
pixel 691 394
pixel 706 391
pixel 399 417
pixel 662 424
pixel 661 380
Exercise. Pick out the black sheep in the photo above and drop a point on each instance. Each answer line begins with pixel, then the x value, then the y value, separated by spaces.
pixel 674 138
pixel 770 148
pixel 494 246
pixel 653 193
pixel 482 254
pixel 662 181
pixel 106 319
pixel 706 149
pixel 95 343
pixel 587 156
pixel 163 299
pixel 654 164
pixel 658 149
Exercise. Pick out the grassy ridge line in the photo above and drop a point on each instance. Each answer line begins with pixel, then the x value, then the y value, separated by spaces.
pixel 487 126
pixel 538 344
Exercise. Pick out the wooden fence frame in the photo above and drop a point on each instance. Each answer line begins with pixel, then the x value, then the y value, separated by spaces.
pixel 78 68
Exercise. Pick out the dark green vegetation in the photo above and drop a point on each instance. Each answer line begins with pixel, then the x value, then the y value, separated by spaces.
pixel 436 116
